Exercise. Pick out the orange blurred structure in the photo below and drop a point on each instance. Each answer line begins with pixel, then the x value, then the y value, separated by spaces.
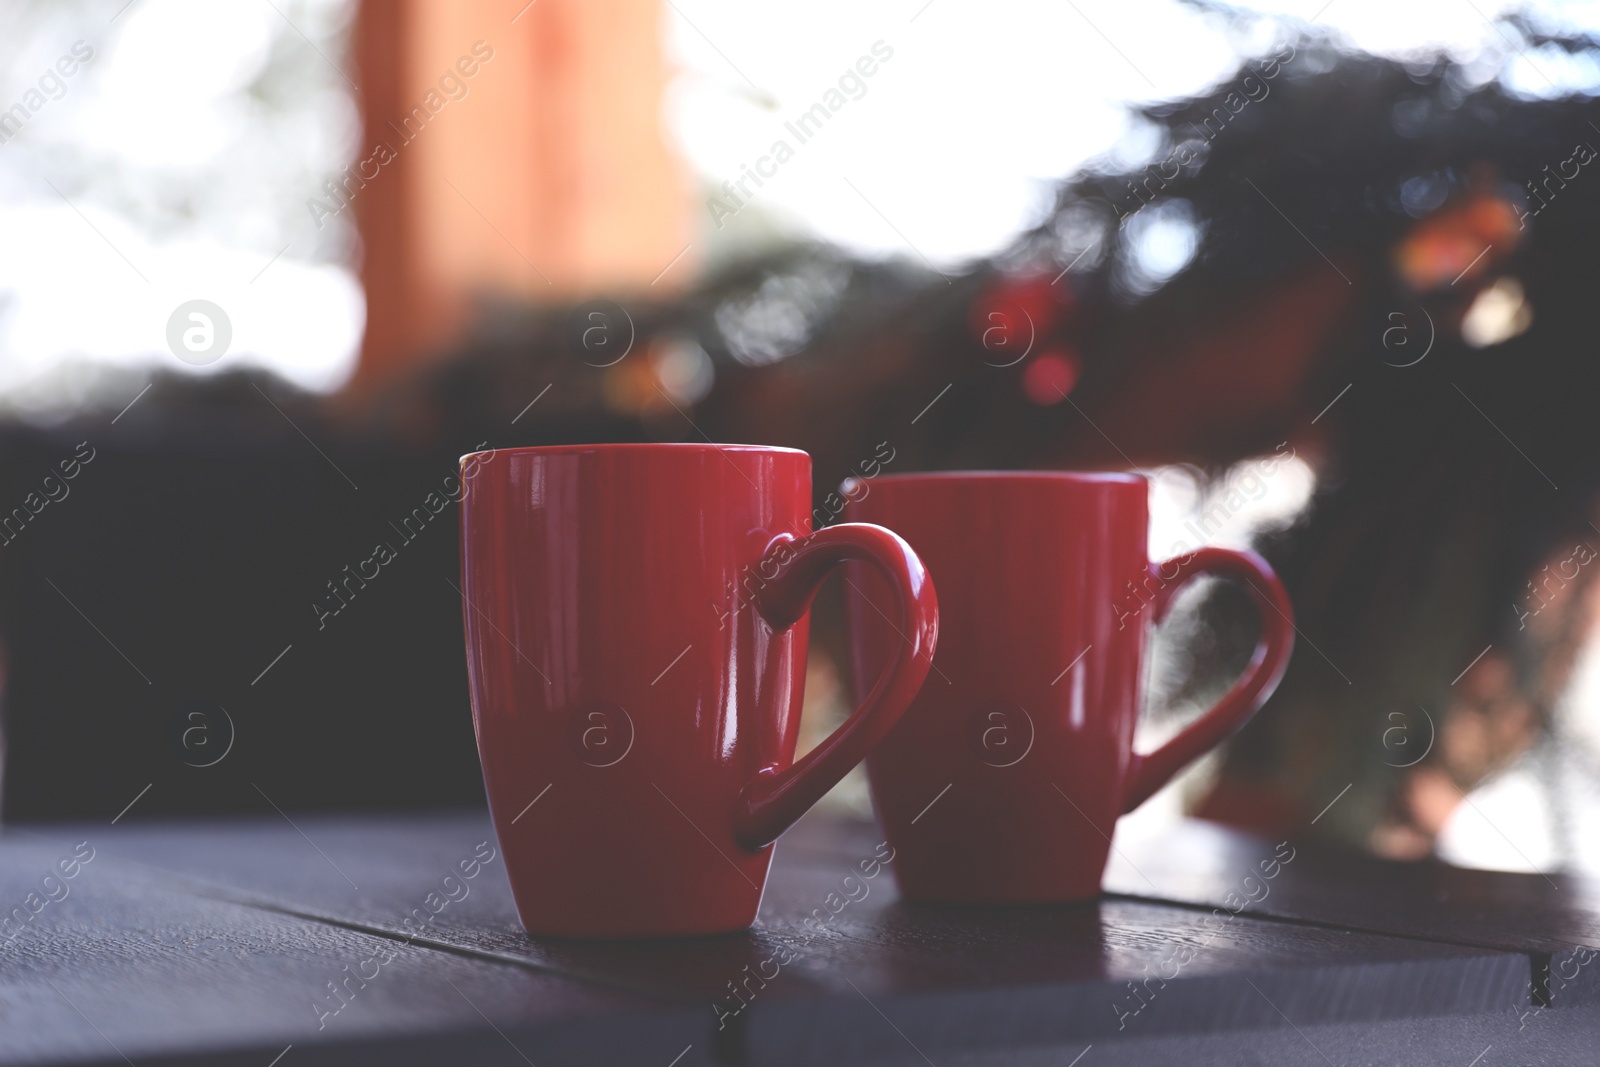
pixel 509 149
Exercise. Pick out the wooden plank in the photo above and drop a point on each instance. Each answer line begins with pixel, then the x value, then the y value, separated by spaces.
pixel 1569 1040
pixel 116 963
pixel 1553 918
pixel 952 979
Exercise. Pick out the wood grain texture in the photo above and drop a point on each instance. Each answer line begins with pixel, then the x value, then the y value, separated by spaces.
pixel 126 964
pixel 1554 918
pixel 880 977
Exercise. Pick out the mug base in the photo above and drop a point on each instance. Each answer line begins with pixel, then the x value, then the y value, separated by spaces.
pixel 635 931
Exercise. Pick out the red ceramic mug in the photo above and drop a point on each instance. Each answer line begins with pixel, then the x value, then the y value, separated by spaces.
pixel 636 645
pixel 1003 782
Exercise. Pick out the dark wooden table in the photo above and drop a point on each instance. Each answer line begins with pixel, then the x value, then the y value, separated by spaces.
pixel 261 942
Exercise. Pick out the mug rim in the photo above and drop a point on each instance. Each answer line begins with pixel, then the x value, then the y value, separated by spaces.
pixel 1051 477
pixel 634 446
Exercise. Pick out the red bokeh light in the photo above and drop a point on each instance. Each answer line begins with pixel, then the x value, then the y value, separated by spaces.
pixel 1051 376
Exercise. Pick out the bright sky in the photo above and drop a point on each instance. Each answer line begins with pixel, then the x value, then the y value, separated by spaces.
pixel 958 138
pixel 152 176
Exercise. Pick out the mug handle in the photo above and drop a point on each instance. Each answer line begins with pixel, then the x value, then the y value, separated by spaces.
pixel 1148 773
pixel 777 796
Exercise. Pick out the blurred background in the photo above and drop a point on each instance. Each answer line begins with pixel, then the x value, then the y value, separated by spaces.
pixel 1322 269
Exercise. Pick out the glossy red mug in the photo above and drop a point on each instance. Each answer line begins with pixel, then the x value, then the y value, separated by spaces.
pixel 636 638
pixel 1003 782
